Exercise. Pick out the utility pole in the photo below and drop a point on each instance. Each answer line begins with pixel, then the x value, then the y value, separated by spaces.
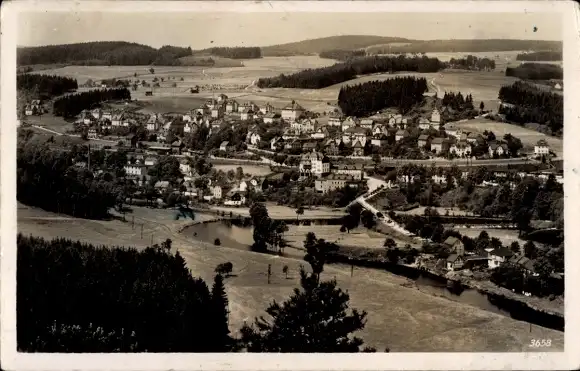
pixel 269 272
pixel 133 222
pixel 351 269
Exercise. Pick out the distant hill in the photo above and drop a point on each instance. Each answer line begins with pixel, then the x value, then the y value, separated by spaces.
pixel 101 53
pixel 316 46
pixel 474 46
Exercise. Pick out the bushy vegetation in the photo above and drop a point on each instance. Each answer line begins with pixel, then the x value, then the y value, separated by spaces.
pixel 101 53
pixel 536 71
pixel 322 77
pixel 362 99
pixel 73 104
pixel 328 313
pixel 471 62
pixel 76 297
pixel 528 104
pixel 540 56
pixel 342 54
pixel 251 52
pixel 45 86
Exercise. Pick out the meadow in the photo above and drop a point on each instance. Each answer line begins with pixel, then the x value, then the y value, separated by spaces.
pixel 253 170
pixel 399 315
pixel 238 83
pixel 528 137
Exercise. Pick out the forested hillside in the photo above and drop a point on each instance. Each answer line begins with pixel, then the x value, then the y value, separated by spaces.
pixel 528 104
pixel 316 46
pixel 101 53
pixel 466 46
pixel 341 54
pixel 232 52
pixel 540 56
pixel 536 71
pixel 326 76
pixel 45 86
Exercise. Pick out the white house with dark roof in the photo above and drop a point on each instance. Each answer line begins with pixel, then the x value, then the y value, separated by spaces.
pixel 355 133
pixel 401 134
pixel 461 149
pixel 292 112
pixel 435 117
pixel 335 119
pixel 499 256
pixel 498 148
pixel 541 148
pixel 231 106
pixel 314 164
pixel 348 123
pixel 425 124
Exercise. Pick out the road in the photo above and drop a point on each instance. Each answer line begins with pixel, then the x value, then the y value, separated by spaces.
pixel 375 186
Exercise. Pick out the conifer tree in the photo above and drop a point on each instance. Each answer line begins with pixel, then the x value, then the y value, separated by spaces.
pixel 219 304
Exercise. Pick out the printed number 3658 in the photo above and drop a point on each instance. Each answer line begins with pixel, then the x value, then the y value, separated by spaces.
pixel 540 343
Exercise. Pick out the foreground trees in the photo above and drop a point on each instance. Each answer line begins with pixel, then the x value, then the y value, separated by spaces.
pixel 75 297
pixel 316 318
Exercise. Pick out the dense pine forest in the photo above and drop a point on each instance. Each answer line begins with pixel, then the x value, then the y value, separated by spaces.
pixel 45 86
pixel 322 77
pixel 471 62
pixel 73 104
pixel 528 104
pixel 234 52
pixel 101 53
pixel 540 56
pixel 363 99
pixel 536 71
pixel 76 297
pixel 342 55
pixel 46 178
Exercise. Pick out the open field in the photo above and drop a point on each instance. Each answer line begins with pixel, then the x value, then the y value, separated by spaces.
pixel 441 210
pixel 285 212
pixel 253 170
pixel 359 237
pixel 528 137
pixel 49 121
pixel 401 318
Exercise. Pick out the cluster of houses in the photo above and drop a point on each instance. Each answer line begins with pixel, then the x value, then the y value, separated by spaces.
pixel 35 107
pixel 327 178
pixel 487 258
pixel 231 193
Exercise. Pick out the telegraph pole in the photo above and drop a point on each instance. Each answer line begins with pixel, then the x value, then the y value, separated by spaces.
pixel 269 272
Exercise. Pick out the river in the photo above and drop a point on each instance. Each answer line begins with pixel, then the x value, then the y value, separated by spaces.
pixel 241 238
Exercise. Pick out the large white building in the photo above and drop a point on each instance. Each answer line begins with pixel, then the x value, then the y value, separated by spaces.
pixel 541 148
pixel 314 164
pixel 292 112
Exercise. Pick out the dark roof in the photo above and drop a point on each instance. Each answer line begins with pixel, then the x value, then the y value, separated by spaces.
pixel 502 251
pixel 450 241
pixel 453 257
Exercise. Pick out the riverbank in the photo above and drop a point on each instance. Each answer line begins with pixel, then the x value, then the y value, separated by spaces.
pixel 483 294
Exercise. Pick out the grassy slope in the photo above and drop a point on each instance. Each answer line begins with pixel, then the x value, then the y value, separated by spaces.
pixel 402 318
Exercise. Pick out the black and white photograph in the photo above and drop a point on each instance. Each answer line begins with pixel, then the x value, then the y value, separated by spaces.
pixel 300 178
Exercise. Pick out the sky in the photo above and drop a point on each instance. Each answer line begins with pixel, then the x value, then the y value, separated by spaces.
pixel 198 30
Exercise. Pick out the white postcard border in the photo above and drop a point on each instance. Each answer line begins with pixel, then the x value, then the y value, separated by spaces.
pixel 11 360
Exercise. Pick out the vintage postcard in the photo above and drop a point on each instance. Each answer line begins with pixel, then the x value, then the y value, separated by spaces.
pixel 250 185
